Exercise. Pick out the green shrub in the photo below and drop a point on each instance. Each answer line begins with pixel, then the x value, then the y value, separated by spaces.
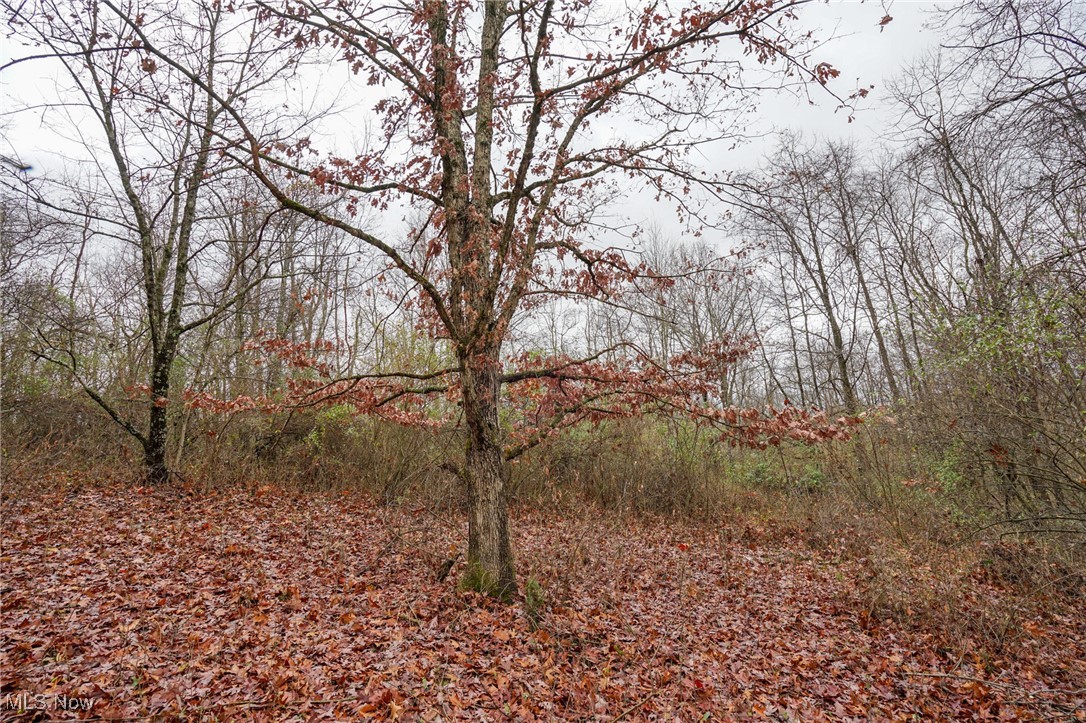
pixel 535 600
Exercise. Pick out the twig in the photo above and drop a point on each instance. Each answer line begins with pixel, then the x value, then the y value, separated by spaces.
pixel 993 683
pixel 1026 693
pixel 638 704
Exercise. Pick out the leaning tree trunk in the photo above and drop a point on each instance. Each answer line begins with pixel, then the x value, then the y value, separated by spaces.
pixel 490 554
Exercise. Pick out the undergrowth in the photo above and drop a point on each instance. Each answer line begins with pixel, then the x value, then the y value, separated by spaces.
pixel 936 556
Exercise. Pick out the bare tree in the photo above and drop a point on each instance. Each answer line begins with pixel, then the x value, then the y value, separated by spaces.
pixel 793 213
pixel 160 149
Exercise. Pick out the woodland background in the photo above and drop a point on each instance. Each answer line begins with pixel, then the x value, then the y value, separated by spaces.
pixel 933 286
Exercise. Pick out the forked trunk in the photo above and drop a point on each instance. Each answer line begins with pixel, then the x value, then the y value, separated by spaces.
pixel 490 554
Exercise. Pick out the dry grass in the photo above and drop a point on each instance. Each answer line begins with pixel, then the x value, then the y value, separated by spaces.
pixel 932 557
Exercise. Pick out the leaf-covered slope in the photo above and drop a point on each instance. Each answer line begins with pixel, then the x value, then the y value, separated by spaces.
pixel 266 606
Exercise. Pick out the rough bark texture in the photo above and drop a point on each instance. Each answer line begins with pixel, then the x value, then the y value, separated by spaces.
pixel 154 445
pixel 490 554
pixel 154 450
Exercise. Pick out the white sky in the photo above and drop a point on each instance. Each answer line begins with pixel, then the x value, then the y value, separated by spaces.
pixel 864 53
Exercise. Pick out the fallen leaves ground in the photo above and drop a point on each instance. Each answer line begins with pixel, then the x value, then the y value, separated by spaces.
pixel 267 605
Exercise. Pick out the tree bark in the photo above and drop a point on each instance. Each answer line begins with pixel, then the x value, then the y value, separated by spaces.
pixel 490 554
pixel 154 447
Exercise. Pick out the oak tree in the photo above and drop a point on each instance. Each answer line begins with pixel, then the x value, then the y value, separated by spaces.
pixel 509 129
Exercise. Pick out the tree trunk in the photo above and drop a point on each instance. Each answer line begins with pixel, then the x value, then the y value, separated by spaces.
pixel 154 446
pixel 490 554
pixel 876 328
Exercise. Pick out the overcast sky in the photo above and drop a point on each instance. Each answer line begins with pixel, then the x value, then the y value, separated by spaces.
pixel 865 53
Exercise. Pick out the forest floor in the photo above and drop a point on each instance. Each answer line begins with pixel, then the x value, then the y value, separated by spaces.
pixel 271 605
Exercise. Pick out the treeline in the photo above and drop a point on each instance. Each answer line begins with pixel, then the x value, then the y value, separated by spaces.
pixel 936 281
pixel 944 275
